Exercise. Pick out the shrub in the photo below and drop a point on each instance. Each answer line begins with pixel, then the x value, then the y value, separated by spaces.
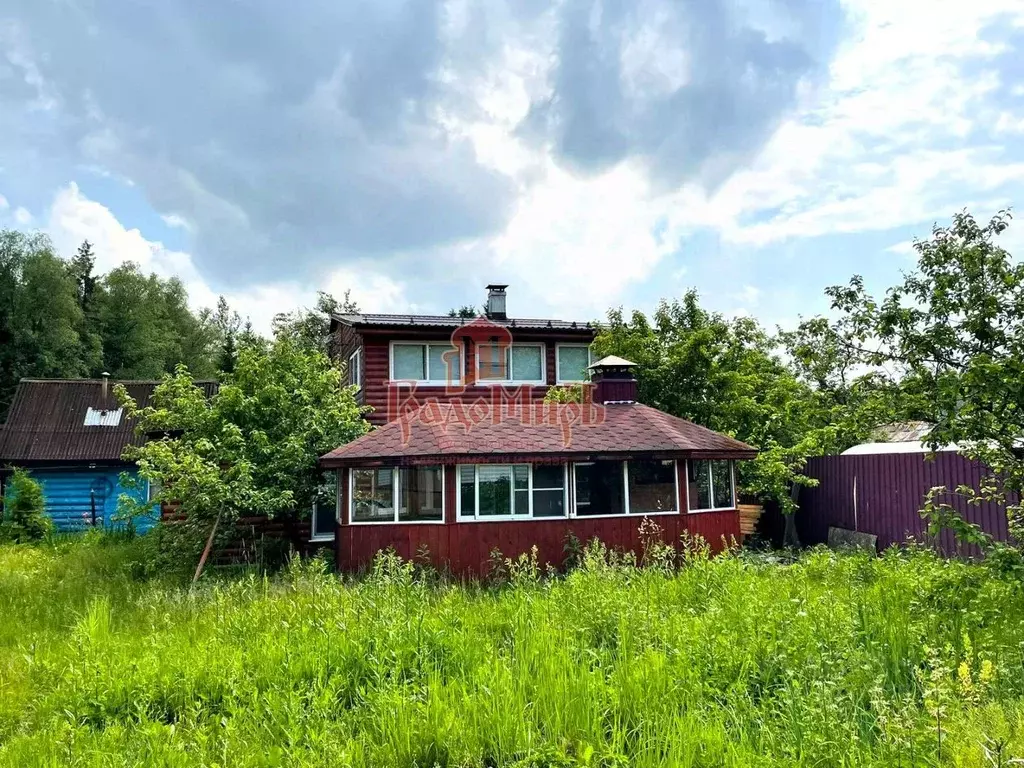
pixel 24 510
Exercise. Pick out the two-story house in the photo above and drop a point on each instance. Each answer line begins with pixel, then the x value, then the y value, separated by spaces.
pixel 467 458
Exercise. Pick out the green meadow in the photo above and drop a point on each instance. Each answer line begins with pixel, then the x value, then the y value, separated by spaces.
pixel 736 660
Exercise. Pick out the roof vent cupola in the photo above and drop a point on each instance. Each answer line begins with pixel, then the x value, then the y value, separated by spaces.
pixel 496 303
pixel 613 380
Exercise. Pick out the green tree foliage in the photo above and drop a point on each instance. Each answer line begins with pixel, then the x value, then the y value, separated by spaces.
pixel 954 332
pixel 24 517
pixel 40 315
pixel 252 448
pixel 147 327
pixel 465 312
pixel 311 328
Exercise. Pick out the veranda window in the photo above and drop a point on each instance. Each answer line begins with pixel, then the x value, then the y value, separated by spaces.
pixel 406 495
pixel 711 485
pixel 636 487
pixel 517 491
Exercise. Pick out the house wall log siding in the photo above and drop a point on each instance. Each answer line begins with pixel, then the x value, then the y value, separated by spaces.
pixel 890 491
pixel 465 548
pixel 377 385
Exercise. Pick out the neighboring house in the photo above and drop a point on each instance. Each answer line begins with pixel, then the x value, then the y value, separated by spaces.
pixel 71 434
pixel 464 475
pixel 400 361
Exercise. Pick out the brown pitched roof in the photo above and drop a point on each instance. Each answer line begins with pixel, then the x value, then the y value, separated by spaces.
pixel 440 431
pixel 46 422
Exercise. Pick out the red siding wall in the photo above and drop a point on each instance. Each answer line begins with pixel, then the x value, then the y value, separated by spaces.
pixel 377 374
pixel 465 548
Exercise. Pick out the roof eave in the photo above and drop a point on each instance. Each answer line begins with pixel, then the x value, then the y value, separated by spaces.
pixel 344 462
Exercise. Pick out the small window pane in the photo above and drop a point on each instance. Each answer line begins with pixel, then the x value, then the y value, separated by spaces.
pixel 372 500
pixel 526 363
pixel 410 362
pixel 445 365
pixel 548 476
pixel 549 503
pixel 467 489
pixel 572 363
pixel 495 490
pixel 522 503
pixel 599 489
pixel 652 487
pixel 521 474
pixel 721 480
pixel 492 362
pixel 420 494
pixel 700 485
pixel 353 369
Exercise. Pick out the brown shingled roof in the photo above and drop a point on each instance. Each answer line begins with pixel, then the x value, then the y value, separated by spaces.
pixel 436 432
pixel 46 421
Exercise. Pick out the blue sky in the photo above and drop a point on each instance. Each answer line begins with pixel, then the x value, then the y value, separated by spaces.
pixel 589 153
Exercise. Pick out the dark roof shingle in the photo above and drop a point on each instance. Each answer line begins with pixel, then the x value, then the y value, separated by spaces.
pixel 444 321
pixel 46 421
pixel 445 430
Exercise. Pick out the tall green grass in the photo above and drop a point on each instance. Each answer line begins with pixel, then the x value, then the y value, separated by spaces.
pixel 834 660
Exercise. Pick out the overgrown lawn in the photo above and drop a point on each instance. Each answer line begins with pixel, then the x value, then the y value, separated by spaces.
pixel 833 660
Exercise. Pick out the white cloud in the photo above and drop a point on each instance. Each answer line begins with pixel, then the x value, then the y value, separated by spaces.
pixel 4 205
pixel 73 218
pixel 22 216
pixel 887 142
pixel 905 248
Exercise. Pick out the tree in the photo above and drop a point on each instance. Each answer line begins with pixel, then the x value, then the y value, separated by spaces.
pixel 147 327
pixel 40 317
pixel 465 312
pixel 24 513
pixel 954 329
pixel 311 328
pixel 250 449
pixel 228 325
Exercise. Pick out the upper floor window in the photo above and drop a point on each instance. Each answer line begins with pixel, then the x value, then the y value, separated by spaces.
pixel 355 374
pixel 711 485
pixel 430 363
pixel 572 361
pixel 510 363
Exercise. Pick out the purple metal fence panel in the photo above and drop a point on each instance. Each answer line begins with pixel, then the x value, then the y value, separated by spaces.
pixel 883 495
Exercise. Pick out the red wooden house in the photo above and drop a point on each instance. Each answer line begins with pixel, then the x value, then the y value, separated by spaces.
pixel 468 459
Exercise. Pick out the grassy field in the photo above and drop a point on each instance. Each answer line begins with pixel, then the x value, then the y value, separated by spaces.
pixel 833 660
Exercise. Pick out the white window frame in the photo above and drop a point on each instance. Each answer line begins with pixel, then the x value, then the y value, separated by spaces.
pixel 395 496
pixel 355 362
pixel 558 362
pixel 313 535
pixel 427 381
pixel 711 487
pixel 543 380
pixel 625 493
pixel 477 518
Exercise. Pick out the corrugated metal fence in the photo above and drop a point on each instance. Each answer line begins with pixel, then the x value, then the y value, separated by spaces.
pixel 883 495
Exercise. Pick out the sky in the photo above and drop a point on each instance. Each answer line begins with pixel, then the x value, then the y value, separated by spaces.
pixel 590 154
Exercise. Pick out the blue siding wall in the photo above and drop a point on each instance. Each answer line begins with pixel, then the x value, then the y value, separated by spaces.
pixel 70 495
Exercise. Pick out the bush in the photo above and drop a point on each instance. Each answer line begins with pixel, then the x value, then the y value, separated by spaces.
pixel 24 510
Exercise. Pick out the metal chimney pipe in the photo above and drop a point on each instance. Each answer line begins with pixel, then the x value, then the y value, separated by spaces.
pixel 105 390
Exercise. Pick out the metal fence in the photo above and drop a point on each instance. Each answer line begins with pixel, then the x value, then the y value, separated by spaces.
pixel 883 495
